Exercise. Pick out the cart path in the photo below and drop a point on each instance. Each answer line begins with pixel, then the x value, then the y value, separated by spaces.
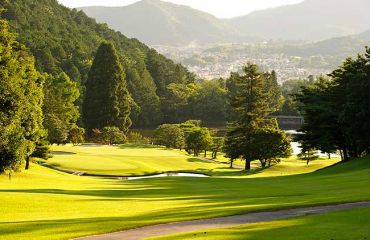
pixel 221 222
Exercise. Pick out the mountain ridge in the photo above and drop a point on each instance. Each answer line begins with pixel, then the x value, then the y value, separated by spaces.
pixel 156 22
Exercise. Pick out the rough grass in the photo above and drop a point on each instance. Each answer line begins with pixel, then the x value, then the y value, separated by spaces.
pixel 342 225
pixel 46 204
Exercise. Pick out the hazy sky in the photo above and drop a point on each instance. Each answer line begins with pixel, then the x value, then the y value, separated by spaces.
pixel 220 8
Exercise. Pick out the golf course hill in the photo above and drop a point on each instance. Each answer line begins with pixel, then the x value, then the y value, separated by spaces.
pixel 62 206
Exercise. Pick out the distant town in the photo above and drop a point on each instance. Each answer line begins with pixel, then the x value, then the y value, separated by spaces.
pixel 211 62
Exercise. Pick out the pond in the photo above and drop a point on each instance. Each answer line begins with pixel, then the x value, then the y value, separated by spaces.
pixel 166 175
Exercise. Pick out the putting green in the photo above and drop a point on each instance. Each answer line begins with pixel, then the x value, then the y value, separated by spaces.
pixel 125 160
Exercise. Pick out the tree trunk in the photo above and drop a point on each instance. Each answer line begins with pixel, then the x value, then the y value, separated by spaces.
pixel 247 165
pixel 196 153
pixel 205 153
pixel 231 163
pixel 263 163
pixel 341 155
pixel 215 155
pixel 27 163
pixel 345 155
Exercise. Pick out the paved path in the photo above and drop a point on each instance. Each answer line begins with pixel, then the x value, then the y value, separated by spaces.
pixel 221 222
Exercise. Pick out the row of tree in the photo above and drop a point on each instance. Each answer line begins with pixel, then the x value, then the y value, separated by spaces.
pixel 252 96
pixel 190 136
pixel 337 110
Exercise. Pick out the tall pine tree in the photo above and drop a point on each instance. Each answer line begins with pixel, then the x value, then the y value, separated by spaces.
pixel 250 100
pixel 107 100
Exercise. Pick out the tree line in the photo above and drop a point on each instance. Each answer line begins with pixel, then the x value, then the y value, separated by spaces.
pixel 336 110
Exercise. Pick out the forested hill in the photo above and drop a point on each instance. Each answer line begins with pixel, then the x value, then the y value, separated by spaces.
pixel 162 23
pixel 66 40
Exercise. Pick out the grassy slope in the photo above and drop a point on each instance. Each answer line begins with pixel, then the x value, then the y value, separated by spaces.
pixel 45 204
pixel 288 166
pixel 125 161
pixel 146 159
pixel 343 225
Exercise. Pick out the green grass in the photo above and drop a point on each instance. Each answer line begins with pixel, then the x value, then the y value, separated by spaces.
pixel 45 204
pixel 343 225
pixel 127 160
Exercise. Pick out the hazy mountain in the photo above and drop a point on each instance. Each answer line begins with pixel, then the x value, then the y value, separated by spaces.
pixel 310 20
pixel 340 47
pixel 161 23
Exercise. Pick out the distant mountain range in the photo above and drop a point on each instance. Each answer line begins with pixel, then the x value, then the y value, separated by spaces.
pixel 161 23
pixel 311 20
pixel 340 47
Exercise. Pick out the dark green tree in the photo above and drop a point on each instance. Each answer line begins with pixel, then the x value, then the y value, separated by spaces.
pixel 143 91
pixel 271 144
pixel 322 128
pixel 250 132
pixel 208 103
pixel 250 104
pixel 273 90
pixel 337 111
pixel 198 139
pixel 107 100
pixel 216 146
pixel 61 113
pixel 170 135
pixel 76 135
pixel 113 135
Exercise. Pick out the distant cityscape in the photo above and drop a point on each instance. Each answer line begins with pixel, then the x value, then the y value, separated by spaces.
pixel 219 61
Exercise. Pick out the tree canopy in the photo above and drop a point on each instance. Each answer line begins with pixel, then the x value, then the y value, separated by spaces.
pixel 252 100
pixel 337 110
pixel 21 99
pixel 107 100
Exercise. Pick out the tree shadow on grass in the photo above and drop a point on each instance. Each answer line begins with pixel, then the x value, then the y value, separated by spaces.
pixel 62 153
pixel 191 198
pixel 134 145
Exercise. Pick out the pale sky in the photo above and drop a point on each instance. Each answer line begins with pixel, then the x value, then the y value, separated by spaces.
pixel 219 8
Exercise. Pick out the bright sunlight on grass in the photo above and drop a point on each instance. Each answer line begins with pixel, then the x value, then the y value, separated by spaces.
pixel 46 204
pixel 126 160
pixel 342 225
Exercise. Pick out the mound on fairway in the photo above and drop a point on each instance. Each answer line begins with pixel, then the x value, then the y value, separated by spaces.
pixel 126 160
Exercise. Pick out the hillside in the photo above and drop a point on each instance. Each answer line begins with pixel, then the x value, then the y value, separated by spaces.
pixel 161 23
pixel 66 40
pixel 340 47
pixel 156 22
pixel 310 20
